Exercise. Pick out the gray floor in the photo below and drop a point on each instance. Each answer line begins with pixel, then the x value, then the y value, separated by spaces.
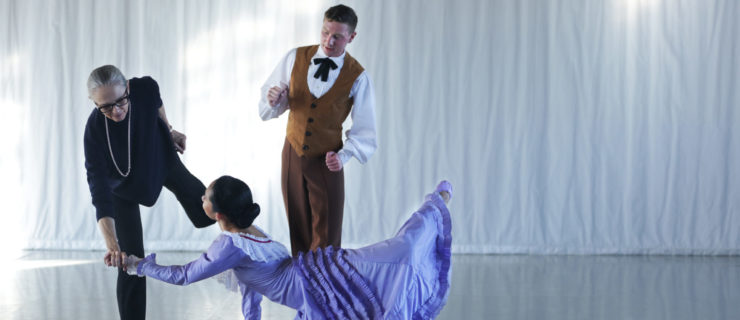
pixel 76 285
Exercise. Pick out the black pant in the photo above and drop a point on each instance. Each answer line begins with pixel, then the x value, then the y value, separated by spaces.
pixel 131 290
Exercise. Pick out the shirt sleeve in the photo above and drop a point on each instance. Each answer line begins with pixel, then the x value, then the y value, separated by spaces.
pixel 97 172
pixel 221 256
pixel 361 139
pixel 250 303
pixel 280 77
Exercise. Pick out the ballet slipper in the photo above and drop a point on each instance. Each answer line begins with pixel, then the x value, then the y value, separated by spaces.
pixel 444 185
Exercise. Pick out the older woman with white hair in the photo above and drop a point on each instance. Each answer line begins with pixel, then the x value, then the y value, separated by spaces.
pixel 130 154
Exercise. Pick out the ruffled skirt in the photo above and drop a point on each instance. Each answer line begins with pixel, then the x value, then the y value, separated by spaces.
pixel 404 277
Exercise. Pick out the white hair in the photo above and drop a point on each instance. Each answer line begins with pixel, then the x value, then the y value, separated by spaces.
pixel 107 75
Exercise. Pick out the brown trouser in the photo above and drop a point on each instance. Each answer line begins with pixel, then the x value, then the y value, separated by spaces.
pixel 314 201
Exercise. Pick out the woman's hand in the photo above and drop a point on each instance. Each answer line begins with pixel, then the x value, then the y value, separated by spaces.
pixel 132 263
pixel 179 139
pixel 115 258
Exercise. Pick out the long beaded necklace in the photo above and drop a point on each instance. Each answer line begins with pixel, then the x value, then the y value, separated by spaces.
pixel 107 135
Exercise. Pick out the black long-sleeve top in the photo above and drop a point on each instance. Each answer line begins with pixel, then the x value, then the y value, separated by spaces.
pixel 152 150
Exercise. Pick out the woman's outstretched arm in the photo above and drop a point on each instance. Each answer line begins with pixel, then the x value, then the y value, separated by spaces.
pixel 222 255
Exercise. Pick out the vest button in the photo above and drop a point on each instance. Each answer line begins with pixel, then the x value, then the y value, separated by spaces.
pixel 308 133
pixel 313 106
pixel 310 120
pixel 305 147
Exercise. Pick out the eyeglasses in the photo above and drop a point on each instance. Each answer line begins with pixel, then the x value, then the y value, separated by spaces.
pixel 120 102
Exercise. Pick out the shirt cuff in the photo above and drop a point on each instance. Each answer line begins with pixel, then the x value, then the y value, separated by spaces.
pixel 344 156
pixel 152 258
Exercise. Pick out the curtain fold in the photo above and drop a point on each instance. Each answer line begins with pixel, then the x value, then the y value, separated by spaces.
pixel 566 126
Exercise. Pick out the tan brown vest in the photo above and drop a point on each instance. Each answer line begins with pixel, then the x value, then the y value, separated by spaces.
pixel 315 125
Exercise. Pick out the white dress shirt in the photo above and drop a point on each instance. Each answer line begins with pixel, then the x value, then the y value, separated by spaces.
pixel 361 140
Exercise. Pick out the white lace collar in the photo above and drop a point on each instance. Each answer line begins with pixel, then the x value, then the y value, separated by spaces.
pixel 262 249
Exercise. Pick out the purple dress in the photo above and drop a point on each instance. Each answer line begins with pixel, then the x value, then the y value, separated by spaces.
pixel 404 277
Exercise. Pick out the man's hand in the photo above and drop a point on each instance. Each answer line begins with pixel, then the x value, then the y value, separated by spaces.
pixel 277 96
pixel 333 162
pixel 179 139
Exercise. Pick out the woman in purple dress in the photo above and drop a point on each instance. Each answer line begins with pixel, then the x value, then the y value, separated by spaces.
pixel 404 277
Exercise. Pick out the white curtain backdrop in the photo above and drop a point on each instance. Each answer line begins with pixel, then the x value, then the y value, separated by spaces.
pixel 566 126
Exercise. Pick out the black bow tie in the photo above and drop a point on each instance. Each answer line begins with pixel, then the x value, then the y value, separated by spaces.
pixel 323 70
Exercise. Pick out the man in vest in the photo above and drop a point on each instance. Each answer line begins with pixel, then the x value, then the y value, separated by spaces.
pixel 321 85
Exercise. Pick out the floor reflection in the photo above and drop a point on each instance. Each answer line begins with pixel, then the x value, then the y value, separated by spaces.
pixel 76 285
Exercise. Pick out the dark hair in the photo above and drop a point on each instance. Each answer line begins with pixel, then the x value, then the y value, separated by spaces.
pixel 232 197
pixel 343 14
